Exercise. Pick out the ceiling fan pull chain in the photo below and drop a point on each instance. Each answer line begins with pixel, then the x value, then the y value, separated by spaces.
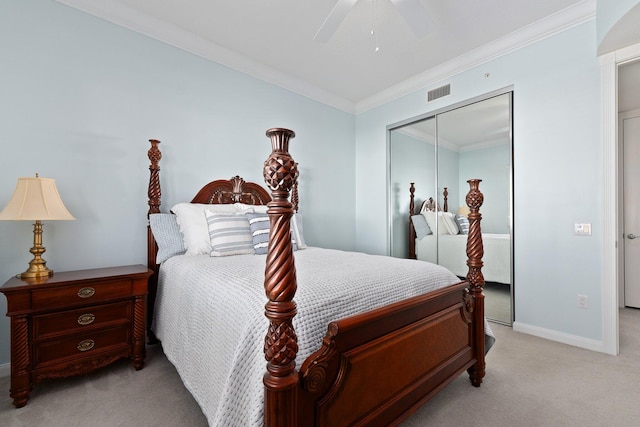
pixel 374 23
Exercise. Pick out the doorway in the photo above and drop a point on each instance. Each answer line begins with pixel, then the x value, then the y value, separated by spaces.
pixel 629 148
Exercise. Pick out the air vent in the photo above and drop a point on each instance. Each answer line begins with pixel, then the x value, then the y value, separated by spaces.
pixel 438 92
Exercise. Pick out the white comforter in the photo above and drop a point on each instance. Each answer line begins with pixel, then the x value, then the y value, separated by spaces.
pixel 209 316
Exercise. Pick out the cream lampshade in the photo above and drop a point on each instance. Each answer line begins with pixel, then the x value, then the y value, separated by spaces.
pixel 36 199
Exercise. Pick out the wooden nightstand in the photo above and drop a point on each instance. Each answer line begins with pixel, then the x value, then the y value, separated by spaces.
pixel 74 322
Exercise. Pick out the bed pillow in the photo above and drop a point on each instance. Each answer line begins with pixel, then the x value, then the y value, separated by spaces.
pixel 168 236
pixel 450 223
pixel 260 226
pixel 229 234
pixel 463 224
pixel 298 232
pixel 420 226
pixel 431 218
pixel 243 207
pixel 193 225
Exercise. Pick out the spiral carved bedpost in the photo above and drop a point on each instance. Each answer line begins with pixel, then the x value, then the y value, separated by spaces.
pixel 475 251
pixel 281 342
pixel 412 232
pixel 154 194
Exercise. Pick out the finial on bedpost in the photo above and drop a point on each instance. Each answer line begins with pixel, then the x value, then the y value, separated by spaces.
pixel 281 342
pixel 475 252
pixel 154 177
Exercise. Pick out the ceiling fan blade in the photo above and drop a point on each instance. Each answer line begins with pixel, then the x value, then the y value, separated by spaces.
pixel 333 20
pixel 416 16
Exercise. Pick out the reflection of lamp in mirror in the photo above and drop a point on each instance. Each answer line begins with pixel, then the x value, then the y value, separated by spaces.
pixel 36 199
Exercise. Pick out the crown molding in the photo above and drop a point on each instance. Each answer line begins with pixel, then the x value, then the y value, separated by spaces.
pixel 532 33
pixel 133 20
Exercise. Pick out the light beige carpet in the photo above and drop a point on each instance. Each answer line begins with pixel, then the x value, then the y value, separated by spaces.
pixel 530 382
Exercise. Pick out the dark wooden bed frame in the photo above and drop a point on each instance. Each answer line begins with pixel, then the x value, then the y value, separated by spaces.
pixel 375 368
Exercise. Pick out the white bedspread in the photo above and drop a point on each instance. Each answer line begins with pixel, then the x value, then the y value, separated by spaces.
pixel 209 316
pixel 452 254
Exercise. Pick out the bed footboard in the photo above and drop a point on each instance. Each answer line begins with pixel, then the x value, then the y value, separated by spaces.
pixel 381 365
pixel 377 367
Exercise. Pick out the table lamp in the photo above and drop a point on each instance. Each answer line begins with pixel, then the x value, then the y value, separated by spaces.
pixel 36 199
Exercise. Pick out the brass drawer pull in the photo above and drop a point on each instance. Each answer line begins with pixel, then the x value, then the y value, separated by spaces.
pixel 86 345
pixel 86 292
pixel 86 319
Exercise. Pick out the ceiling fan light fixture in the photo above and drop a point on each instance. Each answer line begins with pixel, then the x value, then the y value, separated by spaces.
pixel 412 11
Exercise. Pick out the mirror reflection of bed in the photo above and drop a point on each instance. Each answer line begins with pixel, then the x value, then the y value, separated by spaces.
pixel 438 152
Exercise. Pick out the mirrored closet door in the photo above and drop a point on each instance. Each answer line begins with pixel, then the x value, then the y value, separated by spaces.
pixel 438 153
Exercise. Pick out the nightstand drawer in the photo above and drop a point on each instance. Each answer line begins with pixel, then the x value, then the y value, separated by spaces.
pixel 87 318
pixel 92 343
pixel 86 293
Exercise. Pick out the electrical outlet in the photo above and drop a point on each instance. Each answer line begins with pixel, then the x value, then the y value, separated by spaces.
pixel 583 301
pixel 582 229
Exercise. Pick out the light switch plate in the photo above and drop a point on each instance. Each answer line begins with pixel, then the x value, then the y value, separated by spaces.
pixel 582 229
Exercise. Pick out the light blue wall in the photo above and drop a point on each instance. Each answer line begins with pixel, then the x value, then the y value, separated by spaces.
pixel 557 178
pixel 493 166
pixel 80 97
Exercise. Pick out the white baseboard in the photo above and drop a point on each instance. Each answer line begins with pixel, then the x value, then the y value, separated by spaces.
pixel 552 335
pixel 5 370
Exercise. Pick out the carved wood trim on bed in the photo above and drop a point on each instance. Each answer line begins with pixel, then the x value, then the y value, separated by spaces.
pixel 373 351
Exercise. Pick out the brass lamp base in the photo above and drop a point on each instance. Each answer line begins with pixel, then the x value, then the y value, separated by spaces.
pixel 35 273
pixel 37 266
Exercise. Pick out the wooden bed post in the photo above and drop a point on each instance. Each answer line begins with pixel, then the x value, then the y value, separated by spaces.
pixel 154 194
pixel 412 231
pixel 281 342
pixel 475 252
pixel 445 197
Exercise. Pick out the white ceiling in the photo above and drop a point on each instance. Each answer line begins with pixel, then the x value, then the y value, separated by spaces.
pixel 273 40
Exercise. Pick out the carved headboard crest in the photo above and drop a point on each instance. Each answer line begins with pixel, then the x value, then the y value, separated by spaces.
pixel 235 190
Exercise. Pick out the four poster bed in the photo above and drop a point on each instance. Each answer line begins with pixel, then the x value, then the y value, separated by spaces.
pixel 395 331
pixel 440 237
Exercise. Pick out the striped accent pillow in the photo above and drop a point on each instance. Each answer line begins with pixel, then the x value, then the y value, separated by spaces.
pixel 463 224
pixel 260 226
pixel 229 234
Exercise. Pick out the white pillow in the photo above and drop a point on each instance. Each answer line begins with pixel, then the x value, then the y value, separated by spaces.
pixel 296 229
pixel 450 222
pixel 243 207
pixel 193 225
pixel 446 222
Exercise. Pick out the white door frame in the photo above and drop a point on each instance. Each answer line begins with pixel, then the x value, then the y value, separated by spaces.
pixel 611 228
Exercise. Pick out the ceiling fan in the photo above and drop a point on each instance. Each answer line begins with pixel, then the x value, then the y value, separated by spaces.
pixel 413 12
